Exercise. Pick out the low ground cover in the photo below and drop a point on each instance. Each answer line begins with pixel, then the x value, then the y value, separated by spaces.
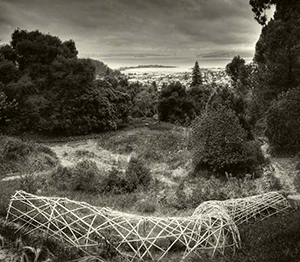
pixel 27 157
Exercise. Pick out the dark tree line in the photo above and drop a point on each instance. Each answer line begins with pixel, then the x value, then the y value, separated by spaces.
pixel 45 87
pixel 277 77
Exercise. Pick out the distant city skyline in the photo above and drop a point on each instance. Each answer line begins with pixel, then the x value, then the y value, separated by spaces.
pixel 133 27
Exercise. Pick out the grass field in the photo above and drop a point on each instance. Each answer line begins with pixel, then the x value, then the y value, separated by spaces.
pixel 172 191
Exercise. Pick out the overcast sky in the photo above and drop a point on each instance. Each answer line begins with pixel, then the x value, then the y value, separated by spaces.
pixel 137 26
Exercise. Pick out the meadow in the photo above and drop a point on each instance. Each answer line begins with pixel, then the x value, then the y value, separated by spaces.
pixel 141 169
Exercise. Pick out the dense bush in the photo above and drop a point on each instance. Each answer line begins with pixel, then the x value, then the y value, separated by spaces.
pixel 174 105
pixel 283 122
pixel 114 182
pixel 84 176
pixel 137 175
pixel 20 156
pixel 29 184
pixel 220 144
pixel 145 206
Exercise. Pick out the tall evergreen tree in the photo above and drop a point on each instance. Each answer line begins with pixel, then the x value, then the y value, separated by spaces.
pixel 196 77
pixel 278 48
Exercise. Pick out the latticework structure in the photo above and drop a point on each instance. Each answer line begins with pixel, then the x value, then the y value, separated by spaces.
pixel 243 209
pixel 133 237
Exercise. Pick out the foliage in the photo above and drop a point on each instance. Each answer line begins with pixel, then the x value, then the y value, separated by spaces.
pixel 137 175
pixel 35 246
pixel 114 182
pixel 29 184
pixel 145 103
pixel 277 50
pixel 102 70
pixel 230 187
pixel 196 75
pixel 7 189
pixel 262 243
pixel 174 105
pixel 225 97
pixel 259 8
pixel 84 176
pixel 145 206
pixel 61 178
pixel 220 143
pixel 56 92
pixel 20 156
pixel 199 95
pixel 240 74
pixel 283 122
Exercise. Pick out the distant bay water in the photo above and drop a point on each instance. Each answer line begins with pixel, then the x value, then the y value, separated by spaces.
pixel 182 63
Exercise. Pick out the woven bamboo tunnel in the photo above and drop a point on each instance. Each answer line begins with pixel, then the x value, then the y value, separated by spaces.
pixel 243 209
pixel 134 238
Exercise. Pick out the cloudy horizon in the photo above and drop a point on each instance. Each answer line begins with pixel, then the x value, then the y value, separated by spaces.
pixel 157 27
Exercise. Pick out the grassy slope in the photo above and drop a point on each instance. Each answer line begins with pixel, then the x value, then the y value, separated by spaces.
pixel 274 239
pixel 17 156
pixel 165 151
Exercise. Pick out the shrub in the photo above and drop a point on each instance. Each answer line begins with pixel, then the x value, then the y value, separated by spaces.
pixel 180 198
pixel 84 153
pixel 174 105
pixel 83 177
pixel 283 122
pixel 219 144
pixel 297 181
pixel 298 166
pixel 29 184
pixel 17 156
pixel 212 188
pixel 14 149
pixel 61 177
pixel 137 175
pixel 114 182
pixel 145 206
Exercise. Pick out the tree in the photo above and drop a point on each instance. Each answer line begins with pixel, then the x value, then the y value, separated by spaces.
pixel 55 91
pixel 278 48
pixel 196 75
pixel 174 105
pixel 145 103
pixel 8 70
pixel 259 8
pixel 220 144
pixel 7 110
pixel 283 122
pixel 200 95
pixel 238 72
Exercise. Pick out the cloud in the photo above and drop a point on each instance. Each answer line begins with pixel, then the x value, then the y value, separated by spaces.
pixel 135 25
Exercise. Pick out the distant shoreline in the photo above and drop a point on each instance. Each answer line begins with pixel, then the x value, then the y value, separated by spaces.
pixel 145 66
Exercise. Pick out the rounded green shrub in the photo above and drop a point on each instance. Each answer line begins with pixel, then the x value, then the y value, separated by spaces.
pixel 219 144
pixel 137 175
pixel 85 176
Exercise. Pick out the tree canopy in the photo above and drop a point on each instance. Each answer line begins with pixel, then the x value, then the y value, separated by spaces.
pixel 54 90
